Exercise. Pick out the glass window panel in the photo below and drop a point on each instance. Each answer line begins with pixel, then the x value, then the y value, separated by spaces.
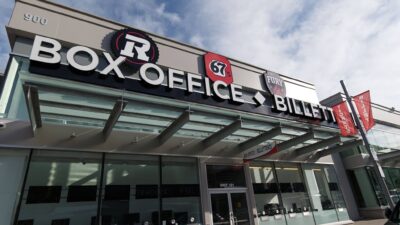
pixel 220 209
pixel 366 188
pixel 377 188
pixel 321 198
pixel 51 177
pixel 180 190
pixel 336 192
pixel 392 177
pixel 295 199
pixel 239 208
pixel 384 137
pixel 266 194
pixel 16 101
pixel 12 170
pixel 130 189
pixel 221 176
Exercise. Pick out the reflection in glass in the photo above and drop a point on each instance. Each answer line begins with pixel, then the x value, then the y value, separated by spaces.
pixel 11 170
pixel 239 209
pixel 269 207
pixel 377 188
pixel 130 190
pixel 220 209
pixel 337 195
pixel 180 190
pixel 295 199
pixel 321 198
pixel 51 192
pixel 361 182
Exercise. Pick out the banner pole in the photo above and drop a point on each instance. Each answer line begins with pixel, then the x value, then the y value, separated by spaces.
pixel 372 154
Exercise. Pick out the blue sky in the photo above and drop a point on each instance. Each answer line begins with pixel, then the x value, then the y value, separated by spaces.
pixel 320 42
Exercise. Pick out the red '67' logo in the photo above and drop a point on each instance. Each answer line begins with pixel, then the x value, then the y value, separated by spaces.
pixel 218 68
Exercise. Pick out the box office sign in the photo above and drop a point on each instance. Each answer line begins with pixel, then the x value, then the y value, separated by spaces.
pixel 138 51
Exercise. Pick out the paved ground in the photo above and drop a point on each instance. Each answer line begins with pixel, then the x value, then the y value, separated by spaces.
pixel 370 222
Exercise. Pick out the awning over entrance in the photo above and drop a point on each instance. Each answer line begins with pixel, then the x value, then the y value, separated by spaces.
pixel 94 118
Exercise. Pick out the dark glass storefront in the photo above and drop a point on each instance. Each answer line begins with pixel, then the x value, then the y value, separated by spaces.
pixel 77 188
pixel 74 188
pixel 288 193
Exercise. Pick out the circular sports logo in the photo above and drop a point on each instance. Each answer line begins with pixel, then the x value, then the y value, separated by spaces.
pixel 136 46
pixel 275 84
pixel 218 68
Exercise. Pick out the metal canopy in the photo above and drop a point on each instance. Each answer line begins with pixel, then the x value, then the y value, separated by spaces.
pixel 221 134
pixel 168 132
pixel 319 145
pixel 252 142
pixel 202 130
pixel 296 140
pixel 386 157
pixel 338 148
pixel 113 118
pixel 32 104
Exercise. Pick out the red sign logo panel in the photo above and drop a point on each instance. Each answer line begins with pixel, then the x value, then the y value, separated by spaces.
pixel 218 68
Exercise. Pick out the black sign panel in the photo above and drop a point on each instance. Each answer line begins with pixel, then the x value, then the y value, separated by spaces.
pixel 78 193
pixel 180 190
pixel 146 191
pixel 43 194
pixel 262 188
pixel 116 192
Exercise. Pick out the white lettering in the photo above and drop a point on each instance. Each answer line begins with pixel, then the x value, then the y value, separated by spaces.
pixel 172 78
pixel 216 86
pixel 53 57
pixel 71 58
pixel 280 103
pixel 207 86
pixel 142 50
pixel 191 83
pixel 275 80
pixel 113 65
pixel 143 74
pixel 236 93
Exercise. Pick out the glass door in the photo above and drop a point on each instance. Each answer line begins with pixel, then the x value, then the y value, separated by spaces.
pixel 229 208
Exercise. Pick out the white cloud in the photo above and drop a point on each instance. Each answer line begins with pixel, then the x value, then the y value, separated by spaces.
pixel 320 42
pixel 148 15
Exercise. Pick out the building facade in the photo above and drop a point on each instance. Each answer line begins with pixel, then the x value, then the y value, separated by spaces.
pixel 384 139
pixel 106 124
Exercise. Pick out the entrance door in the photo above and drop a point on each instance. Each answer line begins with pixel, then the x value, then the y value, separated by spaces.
pixel 229 208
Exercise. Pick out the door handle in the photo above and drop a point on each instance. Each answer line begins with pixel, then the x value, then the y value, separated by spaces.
pixel 231 219
pixel 235 220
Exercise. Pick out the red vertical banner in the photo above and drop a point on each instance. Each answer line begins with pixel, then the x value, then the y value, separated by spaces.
pixel 363 104
pixel 344 120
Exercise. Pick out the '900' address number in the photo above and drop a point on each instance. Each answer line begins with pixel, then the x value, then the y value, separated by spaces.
pixel 35 19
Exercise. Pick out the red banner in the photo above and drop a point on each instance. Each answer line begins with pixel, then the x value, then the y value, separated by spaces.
pixel 363 104
pixel 344 120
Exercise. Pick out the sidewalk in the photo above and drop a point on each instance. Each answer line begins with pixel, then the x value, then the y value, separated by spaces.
pixel 370 222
